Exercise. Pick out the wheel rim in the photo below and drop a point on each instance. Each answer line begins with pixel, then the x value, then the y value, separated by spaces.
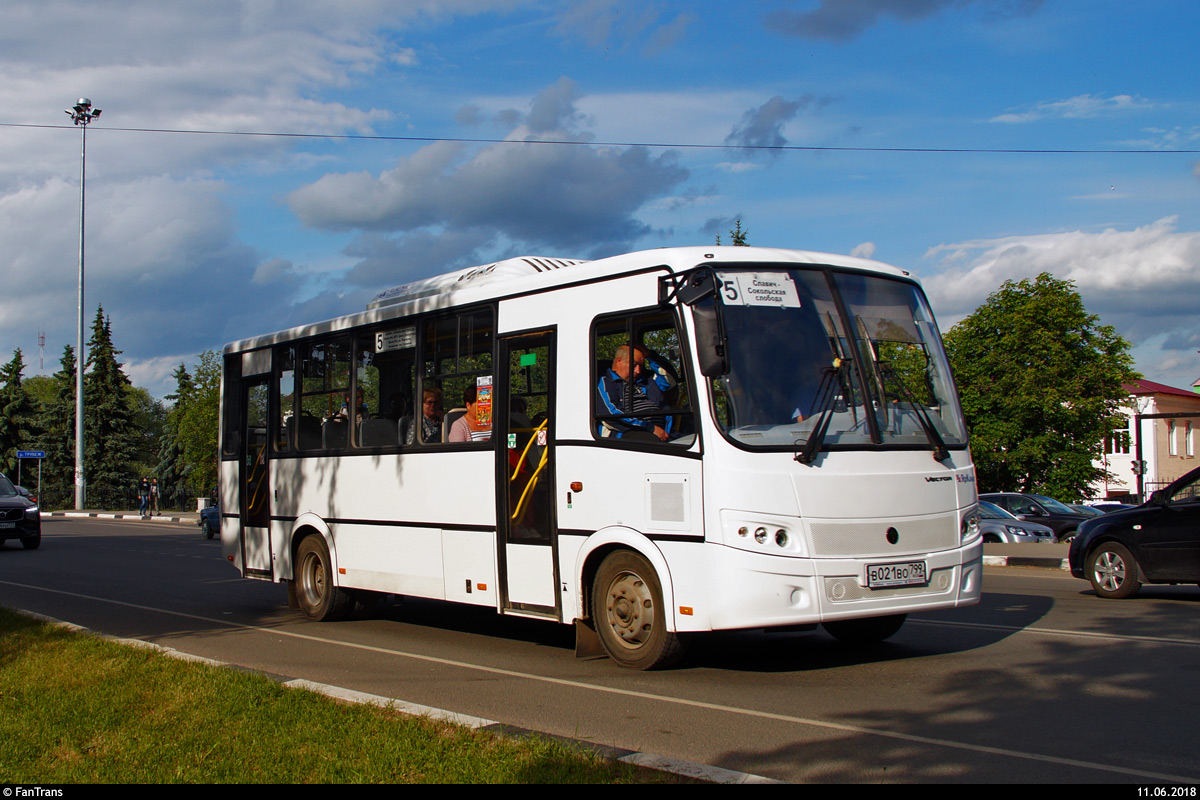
pixel 312 582
pixel 630 609
pixel 1110 571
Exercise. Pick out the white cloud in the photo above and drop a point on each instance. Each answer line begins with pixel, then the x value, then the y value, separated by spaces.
pixel 863 250
pixel 1144 282
pixel 1084 106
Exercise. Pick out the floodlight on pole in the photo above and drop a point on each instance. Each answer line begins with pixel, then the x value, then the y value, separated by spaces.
pixel 81 114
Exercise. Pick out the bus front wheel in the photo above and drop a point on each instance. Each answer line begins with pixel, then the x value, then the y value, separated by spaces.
pixel 316 593
pixel 629 614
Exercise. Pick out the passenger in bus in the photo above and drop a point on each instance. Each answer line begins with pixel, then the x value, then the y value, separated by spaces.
pixel 431 418
pixel 468 428
pixel 647 396
pixel 361 412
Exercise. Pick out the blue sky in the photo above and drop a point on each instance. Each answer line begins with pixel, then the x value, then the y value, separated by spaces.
pixel 198 239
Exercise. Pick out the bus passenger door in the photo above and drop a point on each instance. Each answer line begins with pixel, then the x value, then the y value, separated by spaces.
pixel 523 422
pixel 255 478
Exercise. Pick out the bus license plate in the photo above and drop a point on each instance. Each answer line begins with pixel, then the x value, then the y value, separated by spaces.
pixel 910 574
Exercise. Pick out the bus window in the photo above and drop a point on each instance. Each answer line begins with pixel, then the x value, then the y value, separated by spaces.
pixel 458 358
pixel 285 367
pixel 323 422
pixel 641 391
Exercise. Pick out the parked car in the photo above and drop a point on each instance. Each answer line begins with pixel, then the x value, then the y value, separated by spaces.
pixel 998 525
pixel 1108 508
pixel 1156 542
pixel 210 521
pixel 19 518
pixel 1040 509
pixel 1087 511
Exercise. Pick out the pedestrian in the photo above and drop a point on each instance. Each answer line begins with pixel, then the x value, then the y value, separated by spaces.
pixel 154 497
pixel 143 497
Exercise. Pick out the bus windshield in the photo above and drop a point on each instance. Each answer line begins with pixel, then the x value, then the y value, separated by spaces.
pixel 850 358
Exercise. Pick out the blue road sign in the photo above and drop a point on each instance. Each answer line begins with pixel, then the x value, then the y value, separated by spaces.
pixel 31 454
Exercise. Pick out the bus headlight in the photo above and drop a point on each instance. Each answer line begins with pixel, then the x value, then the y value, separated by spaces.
pixel 970 524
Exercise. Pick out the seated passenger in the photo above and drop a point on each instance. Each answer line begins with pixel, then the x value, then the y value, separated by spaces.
pixel 468 428
pixel 431 418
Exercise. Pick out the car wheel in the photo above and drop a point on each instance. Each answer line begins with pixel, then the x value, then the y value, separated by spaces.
pixel 1067 536
pixel 864 631
pixel 629 615
pixel 316 593
pixel 1112 571
pixel 32 542
pixel 208 530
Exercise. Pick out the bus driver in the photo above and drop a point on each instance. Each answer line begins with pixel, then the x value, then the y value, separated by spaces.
pixel 647 396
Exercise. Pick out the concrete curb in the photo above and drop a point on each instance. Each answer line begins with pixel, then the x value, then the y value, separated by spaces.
pixel 1025 561
pixel 674 766
pixel 131 517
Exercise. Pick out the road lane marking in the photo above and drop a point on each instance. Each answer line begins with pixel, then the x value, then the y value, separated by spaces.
pixel 678 701
pixel 1117 637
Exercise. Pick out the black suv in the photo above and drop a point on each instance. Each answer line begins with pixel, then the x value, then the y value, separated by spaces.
pixel 19 518
pixel 1156 542
pixel 1040 509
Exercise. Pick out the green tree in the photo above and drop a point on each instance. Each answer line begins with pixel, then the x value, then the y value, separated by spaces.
pixel 57 415
pixel 1041 385
pixel 195 421
pixel 18 425
pixel 110 439
pixel 171 469
pixel 737 235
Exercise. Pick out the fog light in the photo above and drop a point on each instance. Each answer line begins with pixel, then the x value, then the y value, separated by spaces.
pixel 781 538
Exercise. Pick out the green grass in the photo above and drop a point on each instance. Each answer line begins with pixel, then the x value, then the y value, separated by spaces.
pixel 75 708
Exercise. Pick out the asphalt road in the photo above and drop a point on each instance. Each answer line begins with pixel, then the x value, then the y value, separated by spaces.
pixel 1042 682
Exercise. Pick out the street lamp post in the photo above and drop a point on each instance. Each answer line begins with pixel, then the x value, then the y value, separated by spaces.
pixel 81 114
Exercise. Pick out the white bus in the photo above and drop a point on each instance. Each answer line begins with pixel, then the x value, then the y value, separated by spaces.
pixel 646 446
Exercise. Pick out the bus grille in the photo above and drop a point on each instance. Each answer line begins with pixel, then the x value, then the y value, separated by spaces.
pixel 913 535
pixel 846 589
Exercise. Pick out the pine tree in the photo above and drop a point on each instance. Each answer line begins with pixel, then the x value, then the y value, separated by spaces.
pixel 58 437
pixel 110 439
pixel 172 466
pixel 18 424
pixel 737 236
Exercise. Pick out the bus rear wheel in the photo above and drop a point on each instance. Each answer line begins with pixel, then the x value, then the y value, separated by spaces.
pixel 316 593
pixel 629 614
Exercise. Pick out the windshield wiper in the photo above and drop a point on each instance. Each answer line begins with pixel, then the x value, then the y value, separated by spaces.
pixel 832 386
pixel 940 453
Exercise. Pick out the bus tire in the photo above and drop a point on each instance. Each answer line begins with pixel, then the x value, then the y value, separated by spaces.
pixel 629 614
pixel 864 631
pixel 319 599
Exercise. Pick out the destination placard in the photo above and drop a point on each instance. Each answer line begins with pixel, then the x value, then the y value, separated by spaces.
pixel 398 339
pixel 775 289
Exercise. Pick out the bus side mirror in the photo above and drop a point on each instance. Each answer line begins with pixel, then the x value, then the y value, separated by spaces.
pixel 710 341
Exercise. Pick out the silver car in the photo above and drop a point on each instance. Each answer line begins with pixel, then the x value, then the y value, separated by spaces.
pixel 1000 526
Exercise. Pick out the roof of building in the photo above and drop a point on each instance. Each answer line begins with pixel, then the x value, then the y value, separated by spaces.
pixel 1143 387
